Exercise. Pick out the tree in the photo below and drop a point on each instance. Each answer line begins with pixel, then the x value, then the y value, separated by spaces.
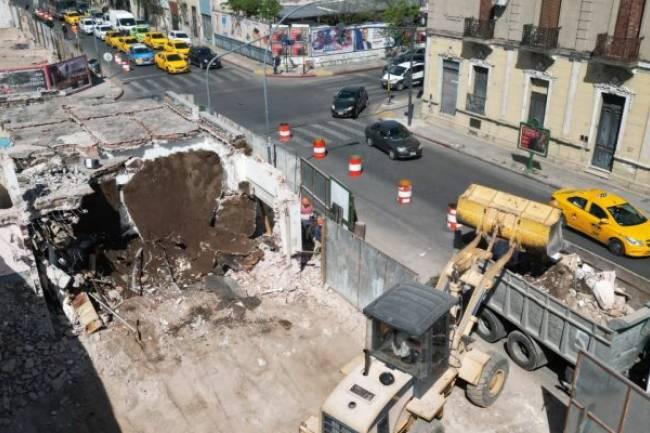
pixel 399 14
pixel 267 9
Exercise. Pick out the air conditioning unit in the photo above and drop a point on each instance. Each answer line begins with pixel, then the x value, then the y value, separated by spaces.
pixel 501 3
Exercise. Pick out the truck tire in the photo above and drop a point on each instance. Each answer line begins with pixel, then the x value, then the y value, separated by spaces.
pixel 422 426
pixel 489 327
pixel 525 351
pixel 491 383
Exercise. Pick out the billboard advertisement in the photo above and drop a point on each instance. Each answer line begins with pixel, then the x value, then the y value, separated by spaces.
pixel 534 140
pixel 338 40
pixel 20 81
pixel 71 74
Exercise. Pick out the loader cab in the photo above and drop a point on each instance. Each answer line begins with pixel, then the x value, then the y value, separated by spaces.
pixel 409 330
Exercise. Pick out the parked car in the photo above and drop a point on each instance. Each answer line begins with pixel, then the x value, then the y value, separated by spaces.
pixel 201 56
pixel 155 40
pixel 125 42
pixel 71 17
pixel 140 54
pixel 393 138
pixel 403 75
pixel 177 35
pixel 172 63
pixel 174 46
pixel 140 30
pixel 87 25
pixel 101 30
pixel 349 102
pixel 607 218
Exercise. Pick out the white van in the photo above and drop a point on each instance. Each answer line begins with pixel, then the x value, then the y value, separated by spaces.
pixel 120 20
pixel 402 75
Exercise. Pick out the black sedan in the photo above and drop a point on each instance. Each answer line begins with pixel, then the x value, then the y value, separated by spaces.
pixel 349 102
pixel 393 138
pixel 201 56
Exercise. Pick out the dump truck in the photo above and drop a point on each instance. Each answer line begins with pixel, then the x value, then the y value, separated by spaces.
pixel 417 337
pixel 541 324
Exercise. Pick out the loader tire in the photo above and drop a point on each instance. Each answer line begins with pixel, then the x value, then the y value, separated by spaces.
pixel 489 327
pixel 491 383
pixel 524 351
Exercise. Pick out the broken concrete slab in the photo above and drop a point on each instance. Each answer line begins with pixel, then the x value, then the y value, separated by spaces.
pixel 163 123
pixel 112 109
pixel 118 131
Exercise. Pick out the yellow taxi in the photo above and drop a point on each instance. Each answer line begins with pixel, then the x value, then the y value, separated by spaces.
pixel 112 38
pixel 172 63
pixel 71 17
pixel 606 217
pixel 124 43
pixel 155 40
pixel 179 47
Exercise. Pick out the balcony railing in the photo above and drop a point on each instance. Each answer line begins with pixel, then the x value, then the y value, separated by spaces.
pixel 475 103
pixel 544 38
pixel 479 29
pixel 618 49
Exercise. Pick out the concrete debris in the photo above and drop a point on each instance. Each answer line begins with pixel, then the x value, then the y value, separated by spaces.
pixel 86 312
pixel 593 294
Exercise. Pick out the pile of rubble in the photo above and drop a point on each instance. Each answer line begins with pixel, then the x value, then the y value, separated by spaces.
pixel 594 294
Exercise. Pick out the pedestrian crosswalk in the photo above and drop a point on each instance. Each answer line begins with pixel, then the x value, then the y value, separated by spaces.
pixel 159 83
pixel 335 131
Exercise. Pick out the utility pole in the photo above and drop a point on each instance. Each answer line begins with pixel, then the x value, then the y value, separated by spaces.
pixel 409 110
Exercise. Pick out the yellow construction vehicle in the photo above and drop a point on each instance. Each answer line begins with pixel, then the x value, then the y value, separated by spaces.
pixel 417 340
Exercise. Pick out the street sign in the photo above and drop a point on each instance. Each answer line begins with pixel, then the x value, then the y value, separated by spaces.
pixel 533 139
pixel 108 57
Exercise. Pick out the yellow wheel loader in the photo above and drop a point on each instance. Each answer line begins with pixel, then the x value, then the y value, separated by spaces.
pixel 417 337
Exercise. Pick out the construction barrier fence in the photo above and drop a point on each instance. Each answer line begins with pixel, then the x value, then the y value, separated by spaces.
pixel 356 270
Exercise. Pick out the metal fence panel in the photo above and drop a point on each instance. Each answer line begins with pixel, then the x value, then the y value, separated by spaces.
pixel 358 271
pixel 315 182
pixel 604 401
pixel 253 52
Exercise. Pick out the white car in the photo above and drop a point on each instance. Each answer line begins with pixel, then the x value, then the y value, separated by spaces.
pixel 101 29
pixel 177 35
pixel 87 25
pixel 402 75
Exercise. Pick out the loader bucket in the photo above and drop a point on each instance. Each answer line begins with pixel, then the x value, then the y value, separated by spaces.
pixel 533 225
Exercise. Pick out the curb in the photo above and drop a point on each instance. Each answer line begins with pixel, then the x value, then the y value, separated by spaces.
pixel 459 149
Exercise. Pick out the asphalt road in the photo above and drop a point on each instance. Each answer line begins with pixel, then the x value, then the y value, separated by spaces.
pixel 415 234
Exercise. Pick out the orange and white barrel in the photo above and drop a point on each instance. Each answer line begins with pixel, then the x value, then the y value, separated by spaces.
pixel 320 151
pixel 126 66
pixel 404 191
pixel 355 165
pixel 452 222
pixel 284 132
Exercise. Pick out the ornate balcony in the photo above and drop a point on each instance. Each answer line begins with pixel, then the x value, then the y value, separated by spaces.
pixel 617 49
pixel 542 38
pixel 478 29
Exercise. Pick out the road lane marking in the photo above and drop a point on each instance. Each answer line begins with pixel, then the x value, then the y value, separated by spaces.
pixel 357 130
pixel 142 77
pixel 301 138
pixel 138 87
pixel 328 131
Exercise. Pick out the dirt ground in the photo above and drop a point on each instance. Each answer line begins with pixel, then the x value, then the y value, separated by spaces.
pixel 212 361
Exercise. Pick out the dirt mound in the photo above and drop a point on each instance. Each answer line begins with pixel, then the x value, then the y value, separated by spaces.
pixel 175 197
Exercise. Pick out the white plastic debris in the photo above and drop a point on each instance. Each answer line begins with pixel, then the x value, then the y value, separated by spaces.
pixel 603 285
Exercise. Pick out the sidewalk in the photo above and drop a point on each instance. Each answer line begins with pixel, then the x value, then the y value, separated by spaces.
pixel 258 68
pixel 509 157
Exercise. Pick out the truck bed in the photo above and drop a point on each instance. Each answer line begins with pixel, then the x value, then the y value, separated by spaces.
pixel 564 330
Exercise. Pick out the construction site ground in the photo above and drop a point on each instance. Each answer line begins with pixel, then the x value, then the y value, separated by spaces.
pixel 260 359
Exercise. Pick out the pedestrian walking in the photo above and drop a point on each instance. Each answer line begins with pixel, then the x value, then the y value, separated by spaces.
pixel 276 63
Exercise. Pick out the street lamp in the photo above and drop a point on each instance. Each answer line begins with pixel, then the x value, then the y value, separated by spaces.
pixel 265 81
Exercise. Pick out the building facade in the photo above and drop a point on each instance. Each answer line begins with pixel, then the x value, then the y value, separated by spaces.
pixel 579 68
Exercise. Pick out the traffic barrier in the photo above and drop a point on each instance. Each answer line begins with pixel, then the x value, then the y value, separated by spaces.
pixel 452 222
pixel 284 132
pixel 404 191
pixel 354 165
pixel 118 59
pixel 126 66
pixel 320 151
